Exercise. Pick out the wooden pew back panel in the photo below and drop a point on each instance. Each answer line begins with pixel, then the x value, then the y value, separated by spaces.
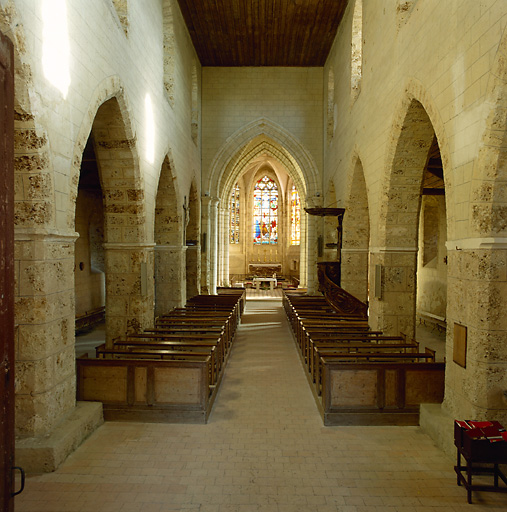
pixel 147 390
pixel 379 393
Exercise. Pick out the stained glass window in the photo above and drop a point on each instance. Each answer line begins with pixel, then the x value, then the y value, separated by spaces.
pixel 265 212
pixel 295 218
pixel 234 216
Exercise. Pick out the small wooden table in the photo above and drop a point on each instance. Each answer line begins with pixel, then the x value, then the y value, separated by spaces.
pixel 484 454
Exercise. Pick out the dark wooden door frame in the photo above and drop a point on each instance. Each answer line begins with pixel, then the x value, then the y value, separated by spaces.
pixel 6 273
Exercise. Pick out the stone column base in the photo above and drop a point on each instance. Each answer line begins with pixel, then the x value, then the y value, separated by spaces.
pixel 439 425
pixel 44 454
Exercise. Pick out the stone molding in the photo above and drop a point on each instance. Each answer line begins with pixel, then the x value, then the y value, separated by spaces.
pixel 470 244
pixel 389 250
pixel 128 245
pixel 355 251
pixel 166 247
pixel 42 234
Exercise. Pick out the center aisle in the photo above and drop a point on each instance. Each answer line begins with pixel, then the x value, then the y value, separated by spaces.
pixel 264 385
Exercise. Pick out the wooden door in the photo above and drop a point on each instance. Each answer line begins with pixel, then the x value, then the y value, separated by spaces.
pixel 6 273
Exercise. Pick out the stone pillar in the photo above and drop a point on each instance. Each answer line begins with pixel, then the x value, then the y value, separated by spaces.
pixel 477 301
pixel 303 254
pixel 45 319
pixel 170 278
pixel 205 244
pixel 354 272
pixel 220 245
pixel 213 245
pixel 394 311
pixel 476 304
pixel 311 236
pixel 224 247
pixel 49 422
pixel 129 288
pixel 193 270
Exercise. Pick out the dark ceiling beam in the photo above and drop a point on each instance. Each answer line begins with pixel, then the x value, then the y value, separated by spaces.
pixel 436 171
pixel 433 192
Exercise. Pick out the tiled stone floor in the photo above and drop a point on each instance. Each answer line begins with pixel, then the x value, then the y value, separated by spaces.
pixel 264 449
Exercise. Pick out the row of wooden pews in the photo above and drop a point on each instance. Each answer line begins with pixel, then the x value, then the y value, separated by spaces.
pixel 167 373
pixel 360 376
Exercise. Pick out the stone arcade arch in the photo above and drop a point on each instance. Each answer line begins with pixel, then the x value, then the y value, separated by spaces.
pixel 170 249
pixel 356 235
pixel 261 137
pixel 128 255
pixel 397 242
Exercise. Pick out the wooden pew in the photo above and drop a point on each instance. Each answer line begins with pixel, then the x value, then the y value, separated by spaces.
pixel 164 351
pixel 198 322
pixel 216 302
pixel 168 339
pixel 365 339
pixel 306 325
pixel 356 344
pixel 380 355
pixel 229 321
pixel 395 376
pixel 148 390
pixel 374 393
pixel 169 372
pixel 240 293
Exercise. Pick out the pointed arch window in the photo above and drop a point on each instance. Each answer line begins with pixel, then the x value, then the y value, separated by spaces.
pixel 295 217
pixel 234 216
pixel 265 212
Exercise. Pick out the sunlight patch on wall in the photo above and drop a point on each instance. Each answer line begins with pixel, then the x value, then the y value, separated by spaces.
pixel 150 129
pixel 55 44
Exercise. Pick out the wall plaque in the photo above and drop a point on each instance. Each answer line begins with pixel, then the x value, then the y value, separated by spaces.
pixel 460 345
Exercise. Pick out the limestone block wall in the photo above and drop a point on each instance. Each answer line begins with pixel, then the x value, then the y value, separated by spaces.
pixel 459 50
pixel 104 51
pixel 234 97
pixel 430 67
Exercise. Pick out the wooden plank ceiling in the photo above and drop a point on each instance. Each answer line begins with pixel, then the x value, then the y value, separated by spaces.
pixel 262 32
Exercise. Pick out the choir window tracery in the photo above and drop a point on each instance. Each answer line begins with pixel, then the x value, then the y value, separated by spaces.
pixel 265 212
